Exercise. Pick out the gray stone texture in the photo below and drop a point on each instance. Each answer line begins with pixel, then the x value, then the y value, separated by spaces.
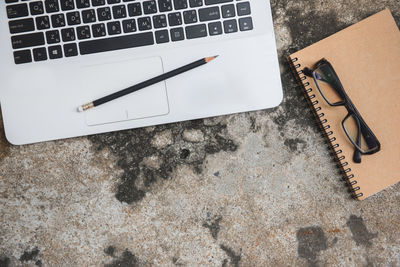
pixel 253 189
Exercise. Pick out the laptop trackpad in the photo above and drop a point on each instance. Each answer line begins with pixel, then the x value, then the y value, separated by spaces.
pixel 104 79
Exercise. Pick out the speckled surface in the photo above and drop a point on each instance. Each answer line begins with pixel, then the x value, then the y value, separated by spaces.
pixel 253 189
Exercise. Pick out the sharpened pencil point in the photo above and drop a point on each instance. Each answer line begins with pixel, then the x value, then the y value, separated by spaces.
pixel 208 59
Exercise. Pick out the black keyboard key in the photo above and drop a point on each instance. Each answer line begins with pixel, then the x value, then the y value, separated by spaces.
pixel 228 11
pixel 21 25
pixel 67 5
pixel 111 2
pixel 190 16
pixel 177 34
pixel 213 2
pixel 180 4
pixel 82 3
pixel 53 37
pixel 119 12
pixel 243 8
pixel 55 51
pixel 58 20
pixel 144 23
pixel 134 9
pixel 52 6
pixel 36 8
pixel 174 19
pixel 27 40
pixel 40 54
pixel 68 35
pixel 210 13
pixel 104 13
pixel 162 36
pixel 42 23
pixel 129 25
pixel 160 21
pixel 99 30
pixel 215 28
pixel 21 57
pixel 73 18
pixel 245 24
pixel 196 31
pixel 116 43
pixel 165 5
pixel 230 26
pixel 17 11
pixel 88 16
pixel 98 2
pixel 11 1
pixel 149 7
pixel 114 28
pixel 195 3
pixel 83 32
pixel 70 50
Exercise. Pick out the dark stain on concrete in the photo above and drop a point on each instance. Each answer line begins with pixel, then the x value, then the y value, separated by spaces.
pixel 213 226
pixel 176 262
pixel 234 258
pixel 127 259
pixel 311 241
pixel 110 250
pixel 29 255
pixel 39 263
pixel 185 153
pixel 295 144
pixel 225 263
pixel 132 146
pixel 253 124
pixel 4 261
pixel 360 233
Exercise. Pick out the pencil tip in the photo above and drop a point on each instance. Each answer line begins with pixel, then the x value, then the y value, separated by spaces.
pixel 208 59
pixel 80 109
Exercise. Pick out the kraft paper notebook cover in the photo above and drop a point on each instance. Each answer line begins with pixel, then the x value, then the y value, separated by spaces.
pixel 366 57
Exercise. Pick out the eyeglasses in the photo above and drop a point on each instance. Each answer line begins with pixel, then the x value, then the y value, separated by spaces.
pixel 331 89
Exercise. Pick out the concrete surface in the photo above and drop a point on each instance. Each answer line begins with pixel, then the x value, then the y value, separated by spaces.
pixel 254 189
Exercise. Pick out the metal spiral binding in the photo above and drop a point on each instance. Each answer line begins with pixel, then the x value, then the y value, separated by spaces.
pixel 323 123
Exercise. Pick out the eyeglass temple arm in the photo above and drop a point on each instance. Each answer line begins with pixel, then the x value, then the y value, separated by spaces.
pixel 357 153
pixel 368 135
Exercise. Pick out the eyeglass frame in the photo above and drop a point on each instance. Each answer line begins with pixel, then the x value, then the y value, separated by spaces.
pixel 362 127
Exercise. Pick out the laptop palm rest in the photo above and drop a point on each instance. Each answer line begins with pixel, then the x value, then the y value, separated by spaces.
pixel 112 77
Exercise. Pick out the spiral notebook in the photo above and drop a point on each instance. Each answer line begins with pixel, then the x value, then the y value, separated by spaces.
pixel 366 57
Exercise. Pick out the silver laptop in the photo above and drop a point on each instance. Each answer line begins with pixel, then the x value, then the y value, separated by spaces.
pixel 59 54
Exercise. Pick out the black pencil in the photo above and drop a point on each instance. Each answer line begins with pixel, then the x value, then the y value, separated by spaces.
pixel 147 83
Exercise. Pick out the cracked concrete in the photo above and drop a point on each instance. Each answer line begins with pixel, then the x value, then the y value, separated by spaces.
pixel 253 189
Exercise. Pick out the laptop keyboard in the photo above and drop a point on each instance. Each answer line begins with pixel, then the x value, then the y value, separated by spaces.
pixel 54 29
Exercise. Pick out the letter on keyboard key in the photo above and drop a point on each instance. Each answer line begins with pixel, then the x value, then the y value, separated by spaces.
pixel 27 40
pixel 17 11
pixel 196 31
pixel 116 43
